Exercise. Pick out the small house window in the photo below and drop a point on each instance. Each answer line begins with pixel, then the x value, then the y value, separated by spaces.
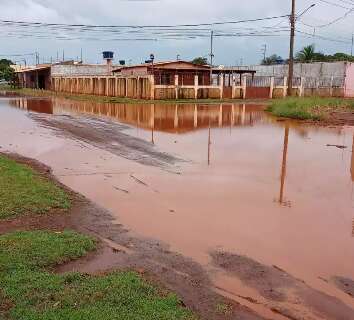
pixel 165 79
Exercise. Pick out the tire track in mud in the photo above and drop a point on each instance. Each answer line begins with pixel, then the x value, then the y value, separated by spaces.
pixel 286 293
pixel 108 135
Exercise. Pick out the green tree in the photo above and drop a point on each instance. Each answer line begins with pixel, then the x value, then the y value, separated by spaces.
pixel 306 54
pixel 273 59
pixel 6 72
pixel 200 61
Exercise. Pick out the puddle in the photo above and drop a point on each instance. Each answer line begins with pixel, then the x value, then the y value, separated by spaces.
pixel 248 184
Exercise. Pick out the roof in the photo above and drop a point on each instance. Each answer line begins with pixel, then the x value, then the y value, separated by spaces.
pixel 164 63
pixel 35 68
pixel 233 70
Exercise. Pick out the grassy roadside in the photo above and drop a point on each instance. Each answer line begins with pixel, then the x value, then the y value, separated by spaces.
pixel 29 289
pixel 104 99
pixel 22 191
pixel 312 108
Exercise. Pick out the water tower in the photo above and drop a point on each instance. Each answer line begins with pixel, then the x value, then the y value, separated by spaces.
pixel 108 56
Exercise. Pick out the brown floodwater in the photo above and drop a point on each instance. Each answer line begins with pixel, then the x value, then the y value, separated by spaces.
pixel 279 192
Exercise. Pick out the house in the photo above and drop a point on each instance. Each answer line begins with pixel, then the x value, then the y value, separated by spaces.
pixel 35 77
pixel 40 76
pixel 165 72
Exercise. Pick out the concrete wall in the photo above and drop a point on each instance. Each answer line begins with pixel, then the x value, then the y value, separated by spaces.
pixel 144 87
pixel 317 69
pixel 137 88
pixel 349 81
pixel 58 70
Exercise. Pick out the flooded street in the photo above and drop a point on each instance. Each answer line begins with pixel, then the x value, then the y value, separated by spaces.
pixel 256 201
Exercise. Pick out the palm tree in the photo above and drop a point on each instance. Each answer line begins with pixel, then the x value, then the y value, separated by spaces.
pixel 307 54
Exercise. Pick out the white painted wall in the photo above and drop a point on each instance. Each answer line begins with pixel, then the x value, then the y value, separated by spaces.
pixel 315 70
pixel 79 70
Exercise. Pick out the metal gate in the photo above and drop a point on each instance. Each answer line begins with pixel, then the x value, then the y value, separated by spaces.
pixel 258 87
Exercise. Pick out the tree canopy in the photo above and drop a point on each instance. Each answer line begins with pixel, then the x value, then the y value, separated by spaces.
pixel 273 59
pixel 309 54
pixel 200 61
pixel 6 72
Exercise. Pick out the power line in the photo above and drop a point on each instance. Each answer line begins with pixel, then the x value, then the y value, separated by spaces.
pixel 335 4
pixel 330 22
pixel 40 24
pixel 17 55
pixel 21 29
pixel 311 35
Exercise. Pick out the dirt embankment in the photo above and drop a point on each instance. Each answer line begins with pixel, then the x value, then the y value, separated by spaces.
pixel 121 249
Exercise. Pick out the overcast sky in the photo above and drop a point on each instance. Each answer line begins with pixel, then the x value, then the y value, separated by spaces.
pixel 228 51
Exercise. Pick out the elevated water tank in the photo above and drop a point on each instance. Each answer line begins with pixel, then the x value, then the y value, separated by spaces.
pixel 108 55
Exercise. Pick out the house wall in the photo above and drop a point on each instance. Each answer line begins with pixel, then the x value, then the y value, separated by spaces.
pixel 134 71
pixel 349 81
pixel 134 87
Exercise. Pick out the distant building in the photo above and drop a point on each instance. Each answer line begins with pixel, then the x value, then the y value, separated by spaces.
pixel 40 76
pixel 35 77
pixel 165 72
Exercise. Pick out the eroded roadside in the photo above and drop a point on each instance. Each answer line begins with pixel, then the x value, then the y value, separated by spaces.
pixel 120 249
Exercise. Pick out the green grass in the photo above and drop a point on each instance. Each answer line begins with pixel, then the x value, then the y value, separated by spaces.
pixel 223 309
pixel 313 108
pixel 29 291
pixel 22 191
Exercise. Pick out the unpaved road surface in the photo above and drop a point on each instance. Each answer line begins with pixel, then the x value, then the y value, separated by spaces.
pixel 211 200
pixel 107 135
pixel 121 249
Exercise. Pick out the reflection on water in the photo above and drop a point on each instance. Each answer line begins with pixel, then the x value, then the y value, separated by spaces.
pixel 173 118
pixel 283 166
pixel 243 167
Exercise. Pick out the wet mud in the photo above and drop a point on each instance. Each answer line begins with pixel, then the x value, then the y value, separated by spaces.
pixel 341 118
pixel 109 136
pixel 120 249
pixel 344 284
pixel 283 289
pixel 277 192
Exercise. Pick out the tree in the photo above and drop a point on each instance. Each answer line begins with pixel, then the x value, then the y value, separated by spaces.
pixel 273 59
pixel 200 61
pixel 307 54
pixel 6 72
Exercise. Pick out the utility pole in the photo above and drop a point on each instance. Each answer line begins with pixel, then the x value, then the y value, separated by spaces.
pixel 211 55
pixel 264 51
pixel 81 54
pixel 351 51
pixel 63 56
pixel 37 58
pixel 291 53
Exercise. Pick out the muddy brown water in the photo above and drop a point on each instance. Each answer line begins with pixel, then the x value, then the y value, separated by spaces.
pixel 203 179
